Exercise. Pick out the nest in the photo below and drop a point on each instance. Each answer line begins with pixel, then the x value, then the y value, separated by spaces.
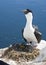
pixel 11 53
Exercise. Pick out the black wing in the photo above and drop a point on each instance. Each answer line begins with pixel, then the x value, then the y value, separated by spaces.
pixel 35 27
pixel 38 35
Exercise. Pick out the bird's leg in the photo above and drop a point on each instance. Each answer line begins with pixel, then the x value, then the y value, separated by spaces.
pixel 28 43
pixel 34 44
pixel 31 44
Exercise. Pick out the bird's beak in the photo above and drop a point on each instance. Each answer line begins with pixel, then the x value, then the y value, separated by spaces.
pixel 23 11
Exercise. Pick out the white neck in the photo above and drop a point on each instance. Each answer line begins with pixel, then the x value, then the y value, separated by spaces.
pixel 29 18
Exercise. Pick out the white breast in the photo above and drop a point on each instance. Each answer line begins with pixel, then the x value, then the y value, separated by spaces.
pixel 29 34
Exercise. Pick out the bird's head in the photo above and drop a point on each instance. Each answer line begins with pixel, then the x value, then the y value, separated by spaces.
pixel 28 13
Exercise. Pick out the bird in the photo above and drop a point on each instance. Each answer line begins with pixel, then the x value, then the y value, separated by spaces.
pixel 30 32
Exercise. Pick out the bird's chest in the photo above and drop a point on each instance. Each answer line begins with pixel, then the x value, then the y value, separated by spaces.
pixel 27 32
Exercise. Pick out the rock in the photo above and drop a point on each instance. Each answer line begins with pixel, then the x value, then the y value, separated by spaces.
pixel 3 63
pixel 28 63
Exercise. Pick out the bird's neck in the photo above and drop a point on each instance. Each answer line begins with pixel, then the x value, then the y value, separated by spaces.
pixel 29 22
pixel 29 19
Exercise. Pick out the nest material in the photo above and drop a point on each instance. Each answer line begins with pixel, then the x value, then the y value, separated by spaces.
pixel 19 55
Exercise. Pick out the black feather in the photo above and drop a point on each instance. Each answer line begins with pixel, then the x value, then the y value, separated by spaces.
pixel 38 35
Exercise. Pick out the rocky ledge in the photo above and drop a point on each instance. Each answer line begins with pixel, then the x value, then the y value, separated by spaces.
pixel 22 55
